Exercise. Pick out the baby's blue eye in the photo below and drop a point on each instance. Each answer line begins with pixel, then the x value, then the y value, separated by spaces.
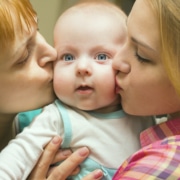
pixel 101 57
pixel 68 57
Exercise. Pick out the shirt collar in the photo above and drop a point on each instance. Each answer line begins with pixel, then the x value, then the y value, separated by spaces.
pixel 160 131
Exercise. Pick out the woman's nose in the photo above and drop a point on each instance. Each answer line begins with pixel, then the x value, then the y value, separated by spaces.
pixel 47 54
pixel 122 67
pixel 121 63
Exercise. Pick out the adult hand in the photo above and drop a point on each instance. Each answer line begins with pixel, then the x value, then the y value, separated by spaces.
pixel 95 175
pixel 66 168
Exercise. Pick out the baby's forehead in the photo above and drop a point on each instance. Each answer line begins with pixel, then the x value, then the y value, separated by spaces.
pixel 95 8
pixel 91 16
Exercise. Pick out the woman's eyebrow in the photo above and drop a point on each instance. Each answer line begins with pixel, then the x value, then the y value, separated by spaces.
pixel 142 44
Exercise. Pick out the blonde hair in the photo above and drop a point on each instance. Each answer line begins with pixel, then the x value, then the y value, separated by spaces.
pixel 168 14
pixel 19 10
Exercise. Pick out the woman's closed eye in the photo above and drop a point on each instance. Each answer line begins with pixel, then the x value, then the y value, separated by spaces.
pixel 141 59
pixel 28 51
pixel 26 55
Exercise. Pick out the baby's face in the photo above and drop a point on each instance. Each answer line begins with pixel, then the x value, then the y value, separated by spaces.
pixel 86 45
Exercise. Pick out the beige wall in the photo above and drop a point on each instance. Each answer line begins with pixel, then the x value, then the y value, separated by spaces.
pixel 49 10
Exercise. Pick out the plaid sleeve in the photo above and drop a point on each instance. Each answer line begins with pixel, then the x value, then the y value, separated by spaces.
pixel 159 160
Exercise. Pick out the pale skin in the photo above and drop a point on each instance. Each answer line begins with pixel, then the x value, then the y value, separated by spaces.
pixel 143 83
pixel 85 55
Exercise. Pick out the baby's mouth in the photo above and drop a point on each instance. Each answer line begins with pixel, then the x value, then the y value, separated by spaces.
pixel 84 88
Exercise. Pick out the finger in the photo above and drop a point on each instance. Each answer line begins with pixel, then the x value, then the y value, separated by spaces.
pixel 74 172
pixel 42 166
pixel 95 175
pixel 66 168
pixel 61 155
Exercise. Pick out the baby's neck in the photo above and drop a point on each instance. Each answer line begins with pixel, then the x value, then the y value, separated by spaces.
pixel 6 129
pixel 114 106
pixel 109 109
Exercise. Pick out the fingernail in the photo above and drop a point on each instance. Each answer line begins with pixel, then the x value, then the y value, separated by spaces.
pixel 83 151
pixel 98 174
pixel 56 140
pixel 66 152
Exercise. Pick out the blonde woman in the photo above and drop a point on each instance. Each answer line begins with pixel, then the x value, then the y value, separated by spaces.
pixel 149 83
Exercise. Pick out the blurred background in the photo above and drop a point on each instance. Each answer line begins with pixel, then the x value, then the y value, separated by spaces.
pixel 49 10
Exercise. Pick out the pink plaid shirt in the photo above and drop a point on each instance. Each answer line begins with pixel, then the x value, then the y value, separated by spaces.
pixel 159 157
